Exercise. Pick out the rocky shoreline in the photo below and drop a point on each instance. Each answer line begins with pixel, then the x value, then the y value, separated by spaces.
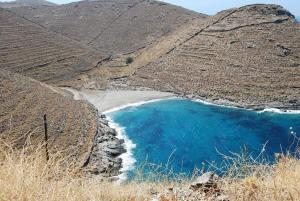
pixel 284 106
pixel 104 158
pixel 244 105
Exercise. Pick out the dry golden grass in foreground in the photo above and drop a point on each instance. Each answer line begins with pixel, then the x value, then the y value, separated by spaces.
pixel 280 182
pixel 30 177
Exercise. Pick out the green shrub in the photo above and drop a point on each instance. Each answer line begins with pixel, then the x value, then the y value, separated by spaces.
pixel 129 60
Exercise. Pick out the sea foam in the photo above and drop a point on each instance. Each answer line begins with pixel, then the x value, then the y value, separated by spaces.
pixel 128 160
pixel 135 104
pixel 275 110
pixel 270 110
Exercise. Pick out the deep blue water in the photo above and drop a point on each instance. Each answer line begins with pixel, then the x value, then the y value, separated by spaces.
pixel 298 19
pixel 188 133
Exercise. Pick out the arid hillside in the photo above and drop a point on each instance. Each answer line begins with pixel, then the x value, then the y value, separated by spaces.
pixel 62 45
pixel 24 102
pixel 32 50
pixel 76 132
pixel 112 27
pixel 249 56
pixel 21 3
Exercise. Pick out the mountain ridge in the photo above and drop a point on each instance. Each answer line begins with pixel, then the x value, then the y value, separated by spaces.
pixel 22 3
pixel 112 27
pixel 232 59
pixel 228 41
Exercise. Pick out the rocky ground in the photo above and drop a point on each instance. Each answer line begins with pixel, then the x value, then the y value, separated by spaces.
pixel 203 188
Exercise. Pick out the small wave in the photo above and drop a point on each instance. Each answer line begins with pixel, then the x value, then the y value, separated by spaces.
pixel 216 104
pixel 279 111
pixel 128 160
pixel 271 110
pixel 135 104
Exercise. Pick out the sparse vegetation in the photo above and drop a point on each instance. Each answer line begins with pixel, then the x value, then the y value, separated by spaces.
pixel 129 60
pixel 26 176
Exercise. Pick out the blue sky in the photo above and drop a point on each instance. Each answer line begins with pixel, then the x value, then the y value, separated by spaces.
pixel 213 6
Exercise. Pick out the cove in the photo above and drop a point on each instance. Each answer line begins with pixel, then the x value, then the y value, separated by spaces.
pixel 185 134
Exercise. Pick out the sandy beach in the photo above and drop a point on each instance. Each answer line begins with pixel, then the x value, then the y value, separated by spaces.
pixel 107 100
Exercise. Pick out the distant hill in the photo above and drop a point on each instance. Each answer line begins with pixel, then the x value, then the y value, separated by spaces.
pixel 21 3
pixel 32 50
pixel 114 26
pixel 249 56
pixel 84 34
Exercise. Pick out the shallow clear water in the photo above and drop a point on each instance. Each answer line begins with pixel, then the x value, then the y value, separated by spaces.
pixel 187 133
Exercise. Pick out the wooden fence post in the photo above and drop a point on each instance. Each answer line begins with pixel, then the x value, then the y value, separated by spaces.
pixel 46 137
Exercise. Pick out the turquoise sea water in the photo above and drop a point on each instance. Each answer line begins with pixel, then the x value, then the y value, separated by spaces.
pixel 185 133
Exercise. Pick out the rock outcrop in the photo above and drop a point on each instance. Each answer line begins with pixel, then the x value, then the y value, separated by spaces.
pixel 104 156
pixel 206 182
pixel 205 187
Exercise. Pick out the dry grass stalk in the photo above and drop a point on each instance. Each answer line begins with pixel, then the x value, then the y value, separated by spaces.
pixel 27 175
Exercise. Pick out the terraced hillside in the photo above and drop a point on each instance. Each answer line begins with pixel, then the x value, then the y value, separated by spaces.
pixel 112 27
pixel 34 51
pixel 249 56
pixel 20 3
pixel 74 127
pixel 25 101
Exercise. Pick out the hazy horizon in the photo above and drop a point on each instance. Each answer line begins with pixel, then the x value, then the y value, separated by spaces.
pixel 213 6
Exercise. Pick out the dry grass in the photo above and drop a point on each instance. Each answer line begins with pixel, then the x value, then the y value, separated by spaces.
pixel 26 176
pixel 30 177
pixel 279 182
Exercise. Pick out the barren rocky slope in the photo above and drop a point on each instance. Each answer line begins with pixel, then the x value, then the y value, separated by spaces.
pixel 53 44
pixel 249 56
pixel 74 127
pixel 112 27
pixel 21 3
pixel 32 50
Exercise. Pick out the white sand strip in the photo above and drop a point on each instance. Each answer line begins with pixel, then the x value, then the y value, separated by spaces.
pixel 107 100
